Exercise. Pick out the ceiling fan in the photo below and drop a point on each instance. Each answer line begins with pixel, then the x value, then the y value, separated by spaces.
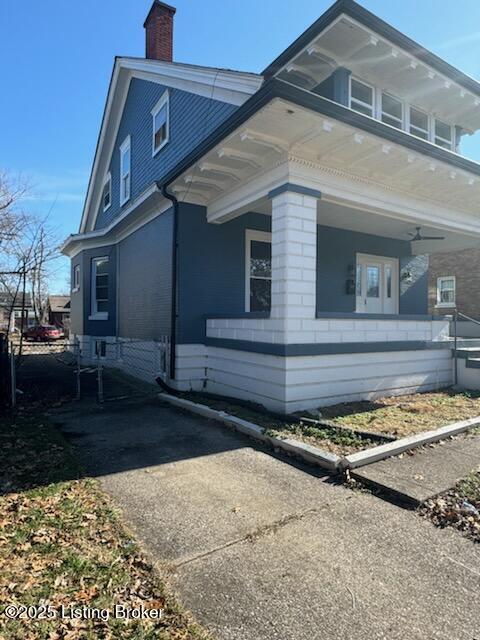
pixel 416 237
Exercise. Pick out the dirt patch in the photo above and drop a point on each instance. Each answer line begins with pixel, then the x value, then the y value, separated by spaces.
pixel 341 442
pixel 403 416
pixel 458 508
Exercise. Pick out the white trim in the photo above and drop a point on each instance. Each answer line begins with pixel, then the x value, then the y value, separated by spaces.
pixel 94 313
pixel 107 180
pixel 76 284
pixel 231 87
pixel 377 113
pixel 164 100
pixel 124 147
pixel 449 305
pixel 260 236
pixel 74 244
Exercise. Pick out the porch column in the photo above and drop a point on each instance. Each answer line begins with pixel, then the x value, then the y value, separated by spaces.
pixel 294 256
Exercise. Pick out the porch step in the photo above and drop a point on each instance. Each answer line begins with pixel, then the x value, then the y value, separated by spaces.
pixel 473 363
pixel 468 353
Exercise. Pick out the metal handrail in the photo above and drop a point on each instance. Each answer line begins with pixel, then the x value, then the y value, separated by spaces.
pixel 456 315
pixel 459 313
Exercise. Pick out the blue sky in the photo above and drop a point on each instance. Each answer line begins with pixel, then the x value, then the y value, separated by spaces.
pixel 57 57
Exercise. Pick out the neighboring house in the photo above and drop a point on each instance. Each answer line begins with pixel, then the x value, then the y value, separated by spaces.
pixel 264 223
pixel 58 311
pixel 454 283
pixel 11 312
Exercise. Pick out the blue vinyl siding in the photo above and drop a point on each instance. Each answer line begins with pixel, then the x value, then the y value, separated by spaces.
pixel 192 118
pixel 211 269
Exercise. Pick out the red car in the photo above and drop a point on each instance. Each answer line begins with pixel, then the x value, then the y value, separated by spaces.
pixel 42 333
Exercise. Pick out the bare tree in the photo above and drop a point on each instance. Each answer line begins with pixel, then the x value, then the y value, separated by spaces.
pixel 28 248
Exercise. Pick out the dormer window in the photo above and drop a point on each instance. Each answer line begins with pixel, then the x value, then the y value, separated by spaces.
pixel 362 97
pixel 392 111
pixel 161 123
pixel 419 123
pixel 107 192
pixel 443 134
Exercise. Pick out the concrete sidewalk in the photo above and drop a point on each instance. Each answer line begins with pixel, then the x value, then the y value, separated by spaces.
pixel 426 473
pixel 260 549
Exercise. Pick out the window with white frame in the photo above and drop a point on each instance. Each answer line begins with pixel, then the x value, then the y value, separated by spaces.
pixel 107 192
pixel 99 291
pixel 161 123
pixel 443 134
pixel 76 278
pixel 258 262
pixel 392 111
pixel 376 103
pixel 419 123
pixel 362 97
pixel 125 170
pixel 446 291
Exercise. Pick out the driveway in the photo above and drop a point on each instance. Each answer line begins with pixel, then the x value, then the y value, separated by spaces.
pixel 259 548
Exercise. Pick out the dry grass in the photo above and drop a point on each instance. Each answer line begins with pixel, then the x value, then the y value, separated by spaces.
pixel 62 542
pixel 406 415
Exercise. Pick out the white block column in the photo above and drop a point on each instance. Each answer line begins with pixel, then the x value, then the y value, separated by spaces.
pixel 294 258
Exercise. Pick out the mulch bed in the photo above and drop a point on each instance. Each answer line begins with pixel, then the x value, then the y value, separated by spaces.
pixel 458 508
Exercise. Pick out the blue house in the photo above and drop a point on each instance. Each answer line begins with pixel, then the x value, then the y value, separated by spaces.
pixel 274 229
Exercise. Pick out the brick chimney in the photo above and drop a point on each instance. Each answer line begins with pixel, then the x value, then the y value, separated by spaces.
pixel 159 32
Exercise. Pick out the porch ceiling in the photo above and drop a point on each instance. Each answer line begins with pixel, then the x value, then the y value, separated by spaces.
pixel 282 131
pixel 341 216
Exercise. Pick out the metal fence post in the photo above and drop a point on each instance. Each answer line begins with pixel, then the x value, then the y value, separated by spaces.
pixel 78 371
pixel 100 379
pixel 455 339
pixel 13 377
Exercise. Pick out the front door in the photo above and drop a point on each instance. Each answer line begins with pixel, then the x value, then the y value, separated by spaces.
pixel 376 284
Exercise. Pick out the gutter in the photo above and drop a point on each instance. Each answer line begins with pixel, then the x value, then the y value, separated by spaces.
pixel 173 317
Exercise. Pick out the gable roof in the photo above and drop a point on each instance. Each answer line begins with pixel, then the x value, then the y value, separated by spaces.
pixel 233 87
pixel 382 28
pixel 59 304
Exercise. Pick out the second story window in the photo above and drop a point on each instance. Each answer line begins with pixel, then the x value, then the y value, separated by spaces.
pixel 443 134
pixel 392 111
pixel 107 192
pixel 362 97
pixel 125 171
pixel 419 123
pixel 161 124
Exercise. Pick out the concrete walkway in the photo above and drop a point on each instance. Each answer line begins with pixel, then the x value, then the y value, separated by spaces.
pixel 426 473
pixel 260 549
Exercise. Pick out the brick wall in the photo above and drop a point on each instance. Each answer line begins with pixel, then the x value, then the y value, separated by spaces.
pixel 465 266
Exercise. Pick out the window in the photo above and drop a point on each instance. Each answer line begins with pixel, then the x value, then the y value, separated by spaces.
pixel 125 161
pixel 361 97
pixel 107 192
pixel 258 271
pixel 392 111
pixel 443 134
pixel 99 289
pixel 419 123
pixel 161 123
pixel 446 291
pixel 76 278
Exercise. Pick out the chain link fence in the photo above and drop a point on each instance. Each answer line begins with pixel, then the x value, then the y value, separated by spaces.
pixel 99 369
pixel 126 367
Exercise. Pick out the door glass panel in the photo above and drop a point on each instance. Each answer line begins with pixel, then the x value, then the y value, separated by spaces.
pixel 358 282
pixel 388 274
pixel 373 282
